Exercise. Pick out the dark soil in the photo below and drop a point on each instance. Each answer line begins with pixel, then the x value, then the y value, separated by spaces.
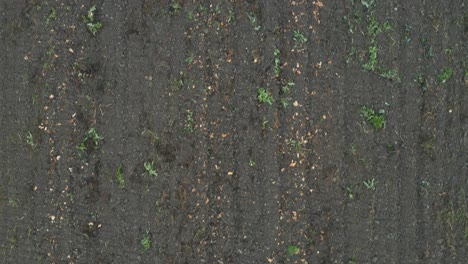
pixel 238 181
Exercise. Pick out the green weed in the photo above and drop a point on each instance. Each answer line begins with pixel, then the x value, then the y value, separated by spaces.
pixel 349 193
pixel 190 58
pixel 90 136
pixel 311 236
pixel 93 135
pixel 407 37
pixel 293 250
pixel 145 242
pixel 391 75
pixel 421 80
pixel 119 176
pixel 231 17
pixel 377 120
pixel 285 102
pixel 253 20
pixel 264 96
pixel 30 140
pixel 265 123
pixel 445 75
pixel 174 8
pixel 252 163
pixel 286 88
pixel 93 26
pixel 52 16
pixel 149 167
pixel 277 69
pixel 370 184
pixel 299 38
pixel 296 144
pixel 189 125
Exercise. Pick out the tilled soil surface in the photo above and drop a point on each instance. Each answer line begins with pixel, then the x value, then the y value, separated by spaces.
pixel 149 141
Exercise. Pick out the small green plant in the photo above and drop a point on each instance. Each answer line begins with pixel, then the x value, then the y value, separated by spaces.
pixel 89 19
pixel 370 184
pixel 189 125
pixel 30 140
pixel 277 69
pixel 285 102
pixel 311 236
pixel 190 58
pixel 93 135
pixel 81 147
pixel 286 88
pixel 377 120
pixel 299 38
pixel 296 144
pixel 353 149
pixel 174 7
pixel 252 163
pixel 52 16
pixel 145 242
pixel 387 25
pixel 265 123
pixel 371 64
pixel 445 75
pixel 149 167
pixel 119 176
pixel 421 80
pixel 391 74
pixel 264 96
pixel 407 34
pixel 349 193
pixel 231 17
pixel 253 20
pixel 293 250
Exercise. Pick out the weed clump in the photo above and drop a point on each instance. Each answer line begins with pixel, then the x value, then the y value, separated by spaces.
pixel 376 119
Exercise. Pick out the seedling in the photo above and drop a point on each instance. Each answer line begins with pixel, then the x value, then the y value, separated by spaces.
pixel 278 66
pixel 93 26
pixel 391 75
pixel 370 184
pixel 285 102
pixel 231 17
pixel 264 96
pixel 174 8
pixel 377 120
pixel 445 75
pixel 353 149
pixel 349 192
pixel 286 88
pixel 387 25
pixel 293 250
pixel 296 144
pixel 189 122
pixel 120 177
pixel 253 20
pixel 81 147
pixel 311 236
pixel 30 140
pixel 265 123
pixel 145 242
pixel 298 38
pixel 52 16
pixel 92 134
pixel 190 59
pixel 421 80
pixel 149 167
pixel 252 163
